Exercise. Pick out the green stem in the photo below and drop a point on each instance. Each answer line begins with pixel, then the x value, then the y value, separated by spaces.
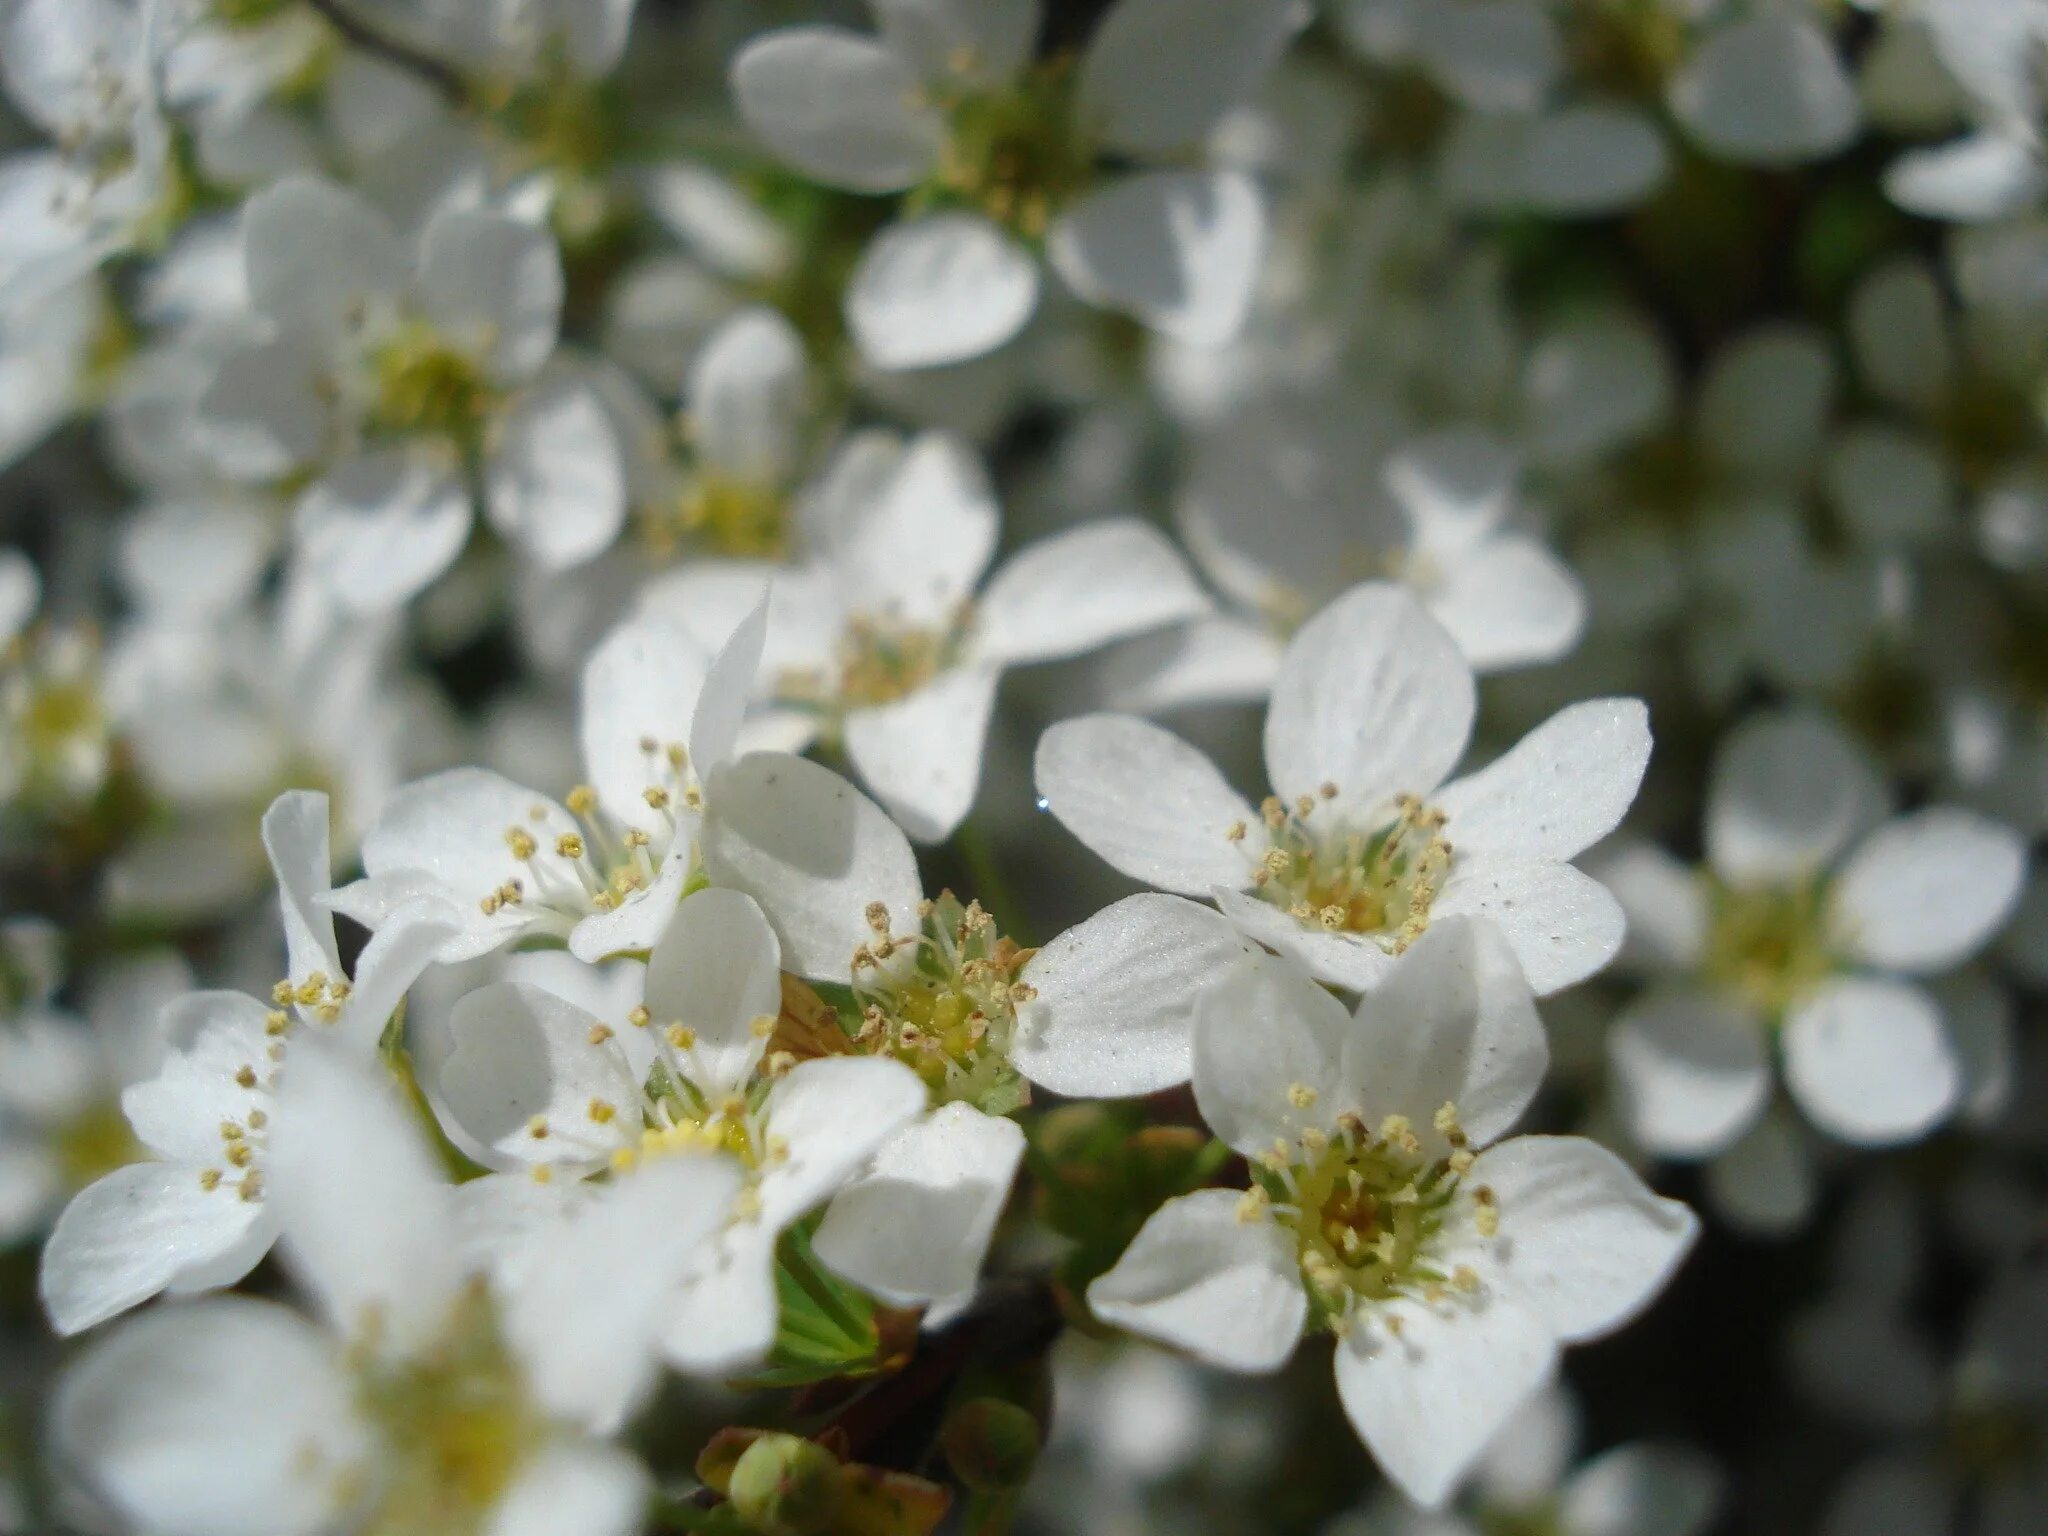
pixel 989 1514
pixel 991 888
pixel 820 1286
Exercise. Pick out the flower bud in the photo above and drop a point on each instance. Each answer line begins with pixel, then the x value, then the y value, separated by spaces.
pixel 786 1486
pixel 991 1444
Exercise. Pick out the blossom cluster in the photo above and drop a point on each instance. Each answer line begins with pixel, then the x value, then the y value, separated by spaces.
pixel 967 765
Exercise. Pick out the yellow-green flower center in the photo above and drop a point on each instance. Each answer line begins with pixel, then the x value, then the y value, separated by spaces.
pixel 424 385
pixel 723 515
pixel 94 1143
pixel 1768 947
pixel 1016 153
pixel 1380 880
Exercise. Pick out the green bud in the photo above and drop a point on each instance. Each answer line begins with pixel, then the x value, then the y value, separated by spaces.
pixel 991 1444
pixel 787 1486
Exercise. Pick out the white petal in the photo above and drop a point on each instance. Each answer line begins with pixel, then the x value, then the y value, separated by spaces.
pixel 1689 1072
pixel 1563 925
pixel 1373 697
pixel 746 397
pixel 838 106
pixel 21 590
pixel 1179 250
pixel 814 852
pixel 581 1486
pixel 720 719
pixel 1593 385
pixel 1764 1185
pixel 1453 1023
pixel 1980 176
pixel 451 828
pixel 1144 800
pixel 915 546
pixel 1557 791
pixel 914 1227
pixel 1217 660
pixel 380 526
pixel 295 837
pixel 1870 1061
pixel 555 481
pixel 723 1318
pixel 1591 159
pixel 1787 793
pixel 492 284
pixel 921 755
pixel 1495 56
pixel 641 684
pixel 984 41
pixel 1765 399
pixel 637 923
pixel 262 414
pixel 125 1238
pixel 140 1415
pixel 1889 485
pixel 1927 891
pixel 1264 1031
pixel 1898 324
pixel 1767 91
pixel 1075 591
pixel 717 971
pixel 1117 994
pixel 1427 1403
pixel 517 1052
pixel 1643 1489
pixel 1159 74
pixel 1582 1243
pixel 1356 962
pixel 1510 603
pixel 361 1201
pixel 317 255
pixel 834 1113
pixel 1198 1278
pixel 939 289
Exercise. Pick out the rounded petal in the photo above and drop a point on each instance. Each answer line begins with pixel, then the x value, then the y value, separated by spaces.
pixel 1199 1278
pixel 130 1235
pixel 839 107
pixel 814 852
pixel 1927 891
pixel 939 289
pixel 1159 74
pixel 1510 603
pixel 1429 1400
pixel 1084 588
pixel 1264 1033
pixel 520 1053
pixel 1644 1489
pixel 1356 962
pixel 140 1415
pixel 1374 697
pixel 921 754
pixel 723 1317
pixel 640 685
pixel 1787 793
pixel 1765 400
pixel 317 256
pixel 1765 1185
pixel 1562 925
pixel 747 395
pixel 1891 1495
pixel 1557 791
pixel 1870 1061
pixel 555 480
pixel 1145 801
pixel 493 285
pixel 1116 997
pixel 295 838
pixel 1689 1073
pixel 833 1114
pixel 718 971
pixel 1767 91
pixel 1453 1023
pixel 914 538
pixel 914 1227
pixel 1179 250
pixel 1582 1243
pixel 381 526
pixel 985 41
pixel 262 414
pixel 574 1485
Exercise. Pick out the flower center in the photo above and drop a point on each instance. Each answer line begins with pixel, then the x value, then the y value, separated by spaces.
pixel 95 1142
pixel 1017 153
pixel 597 862
pixel 943 1001
pixel 1769 946
pixel 457 1425
pixel 423 385
pixel 882 659
pixel 1366 1210
pixel 724 516
pixel 1379 881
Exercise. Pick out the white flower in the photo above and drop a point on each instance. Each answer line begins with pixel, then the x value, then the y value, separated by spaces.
pixel 1290 504
pixel 1766 89
pixel 194 1215
pixel 1451 1268
pixel 884 642
pixel 1363 845
pixel 603 870
pixel 1001 159
pixel 394 373
pixel 1802 938
pixel 1995 167
pixel 547 1087
pixel 422 1400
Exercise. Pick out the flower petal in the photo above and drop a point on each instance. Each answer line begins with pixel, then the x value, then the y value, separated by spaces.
pixel 915 544
pixel 1510 603
pixel 1081 589
pixel 380 526
pixel 939 289
pixel 1557 791
pixel 1178 250
pixel 1644 1489
pixel 518 1054
pixel 921 755
pixel 492 285
pixel 747 395
pixel 555 481
pixel 1788 792
pixel 1764 1186
pixel 640 685
pixel 1145 801
pixel 1769 90
pixel 717 971
pixel 1562 925
pixel 583 1486
pixel 1159 74
pixel 318 255
pixel 1199 1278
pixel 833 1113
pixel 1689 1072
pixel 1927 891
pixel 1268 1043
pixel 1870 1061
pixel 1116 997
pixel 839 107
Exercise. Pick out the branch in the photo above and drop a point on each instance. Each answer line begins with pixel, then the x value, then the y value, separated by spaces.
pixel 442 76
